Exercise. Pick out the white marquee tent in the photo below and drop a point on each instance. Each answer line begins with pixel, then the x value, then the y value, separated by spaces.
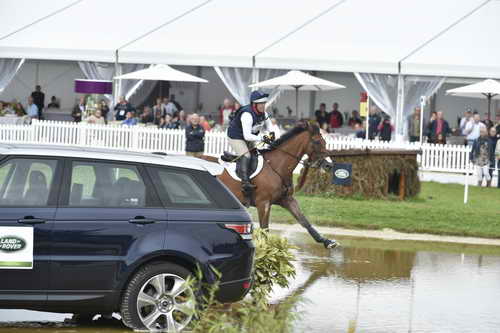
pixel 423 37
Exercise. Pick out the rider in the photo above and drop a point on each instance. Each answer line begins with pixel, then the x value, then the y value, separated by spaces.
pixel 245 132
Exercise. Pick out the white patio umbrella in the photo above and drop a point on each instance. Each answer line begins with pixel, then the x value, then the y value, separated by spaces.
pixel 488 88
pixel 295 80
pixel 161 72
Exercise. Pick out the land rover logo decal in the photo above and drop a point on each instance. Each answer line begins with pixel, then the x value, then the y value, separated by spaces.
pixel 12 243
pixel 342 173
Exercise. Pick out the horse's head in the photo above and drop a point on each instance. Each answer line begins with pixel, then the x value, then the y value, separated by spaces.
pixel 316 147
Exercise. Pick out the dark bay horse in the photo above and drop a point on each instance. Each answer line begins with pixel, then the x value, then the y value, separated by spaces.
pixel 274 184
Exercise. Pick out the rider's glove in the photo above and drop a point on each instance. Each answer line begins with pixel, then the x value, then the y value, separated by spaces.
pixel 268 139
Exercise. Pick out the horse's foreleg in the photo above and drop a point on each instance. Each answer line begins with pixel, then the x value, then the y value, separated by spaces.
pixel 292 206
pixel 264 210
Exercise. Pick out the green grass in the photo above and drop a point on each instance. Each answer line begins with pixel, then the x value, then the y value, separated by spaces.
pixel 439 209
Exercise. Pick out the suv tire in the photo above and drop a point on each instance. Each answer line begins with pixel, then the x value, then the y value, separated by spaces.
pixel 149 303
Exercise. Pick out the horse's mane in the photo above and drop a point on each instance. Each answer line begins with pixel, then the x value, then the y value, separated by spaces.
pixel 300 128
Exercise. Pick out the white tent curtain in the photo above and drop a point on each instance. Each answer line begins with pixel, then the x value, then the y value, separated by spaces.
pixel 398 95
pixel 414 88
pixel 237 81
pixel 382 89
pixel 8 69
pixel 106 71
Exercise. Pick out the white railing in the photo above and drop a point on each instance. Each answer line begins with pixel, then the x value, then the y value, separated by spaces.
pixel 447 158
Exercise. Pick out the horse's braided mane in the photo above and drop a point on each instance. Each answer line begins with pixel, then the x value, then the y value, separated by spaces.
pixel 301 127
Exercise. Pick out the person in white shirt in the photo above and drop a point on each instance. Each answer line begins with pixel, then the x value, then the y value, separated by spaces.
pixel 473 129
pixel 465 119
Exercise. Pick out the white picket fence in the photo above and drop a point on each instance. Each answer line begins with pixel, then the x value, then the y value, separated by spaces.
pixel 445 158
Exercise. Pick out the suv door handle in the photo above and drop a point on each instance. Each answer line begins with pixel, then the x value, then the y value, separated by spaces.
pixel 30 220
pixel 141 220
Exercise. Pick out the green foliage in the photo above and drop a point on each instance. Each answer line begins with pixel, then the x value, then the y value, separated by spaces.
pixel 273 263
pixel 273 266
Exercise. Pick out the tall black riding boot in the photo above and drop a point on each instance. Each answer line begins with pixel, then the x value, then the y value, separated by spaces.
pixel 246 187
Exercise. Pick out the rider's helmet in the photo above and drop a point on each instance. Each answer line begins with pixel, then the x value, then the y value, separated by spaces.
pixel 258 97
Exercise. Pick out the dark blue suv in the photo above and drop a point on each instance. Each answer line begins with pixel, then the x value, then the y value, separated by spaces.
pixel 91 231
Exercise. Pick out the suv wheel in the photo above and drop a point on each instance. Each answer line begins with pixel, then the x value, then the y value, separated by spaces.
pixel 157 298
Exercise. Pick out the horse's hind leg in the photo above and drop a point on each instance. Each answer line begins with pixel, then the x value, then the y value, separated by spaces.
pixel 264 210
pixel 292 206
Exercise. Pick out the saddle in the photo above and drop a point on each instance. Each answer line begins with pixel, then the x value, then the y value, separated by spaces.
pixel 228 161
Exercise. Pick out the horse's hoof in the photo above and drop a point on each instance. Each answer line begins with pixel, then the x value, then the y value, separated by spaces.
pixel 330 244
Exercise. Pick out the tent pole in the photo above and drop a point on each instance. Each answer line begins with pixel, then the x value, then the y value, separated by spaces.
pixel 489 106
pixel 297 102
pixel 422 106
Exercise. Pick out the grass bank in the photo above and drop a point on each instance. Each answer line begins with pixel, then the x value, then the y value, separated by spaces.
pixel 439 209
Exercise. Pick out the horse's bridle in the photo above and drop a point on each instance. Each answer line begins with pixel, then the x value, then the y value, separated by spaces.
pixel 318 162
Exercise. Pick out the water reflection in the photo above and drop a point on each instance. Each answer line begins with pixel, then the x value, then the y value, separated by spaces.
pixel 369 286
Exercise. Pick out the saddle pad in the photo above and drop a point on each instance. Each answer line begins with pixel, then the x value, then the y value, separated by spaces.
pixel 231 168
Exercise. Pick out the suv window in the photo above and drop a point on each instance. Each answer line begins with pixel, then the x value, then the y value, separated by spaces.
pixel 180 189
pixel 26 182
pixel 106 185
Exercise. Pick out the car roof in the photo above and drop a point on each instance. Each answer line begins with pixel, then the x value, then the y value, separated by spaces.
pixel 180 161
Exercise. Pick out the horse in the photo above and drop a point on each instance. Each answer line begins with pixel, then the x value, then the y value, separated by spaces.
pixel 274 184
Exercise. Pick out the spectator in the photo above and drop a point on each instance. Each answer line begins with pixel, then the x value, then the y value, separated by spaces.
pixel 414 125
pixel 354 119
pixel 494 136
pixel 182 119
pixel 96 118
pixel 473 129
pixel 168 123
pixel 497 126
pixel 170 107
pixel 437 127
pixel 427 131
pixel 18 108
pixel 174 122
pixel 159 108
pixel 374 121
pixel 497 156
pixel 195 137
pixel 322 116
pixel 225 112
pixel 480 156
pixel 103 106
pixel 129 119
pixel 32 109
pixel 385 129
pixel 78 110
pixel 147 116
pixel 39 100
pixel 487 121
pixel 177 105
pixel 335 118
pixel 122 108
pixel 463 122
pixel 359 131
pixel 53 103
pixel 158 118
pixel 203 123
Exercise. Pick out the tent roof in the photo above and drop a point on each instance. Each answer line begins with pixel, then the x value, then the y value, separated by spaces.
pixel 422 37
pixel 89 30
pixel 471 48
pixel 223 32
pixel 364 36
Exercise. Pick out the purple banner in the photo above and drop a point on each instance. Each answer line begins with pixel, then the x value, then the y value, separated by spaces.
pixel 93 87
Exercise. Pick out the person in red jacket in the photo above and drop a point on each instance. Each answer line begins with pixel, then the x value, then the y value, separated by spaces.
pixel 336 120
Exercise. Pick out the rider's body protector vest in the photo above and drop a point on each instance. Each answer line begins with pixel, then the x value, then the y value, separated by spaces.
pixel 235 130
